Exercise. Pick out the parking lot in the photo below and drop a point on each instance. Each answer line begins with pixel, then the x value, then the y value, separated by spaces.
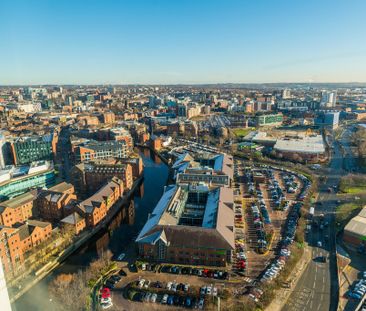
pixel 268 196
pixel 164 290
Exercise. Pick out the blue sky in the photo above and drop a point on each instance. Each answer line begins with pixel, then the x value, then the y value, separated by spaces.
pixel 182 41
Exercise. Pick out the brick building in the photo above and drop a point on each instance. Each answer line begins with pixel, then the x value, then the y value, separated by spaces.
pixel 33 233
pixel 89 177
pixel 190 225
pixel 10 249
pixel 50 203
pixel 16 210
pixel 74 223
pixel 95 208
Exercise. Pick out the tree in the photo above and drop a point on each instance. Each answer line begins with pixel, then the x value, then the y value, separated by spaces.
pixel 69 292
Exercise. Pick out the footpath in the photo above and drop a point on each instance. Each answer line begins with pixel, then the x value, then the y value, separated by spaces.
pixel 282 295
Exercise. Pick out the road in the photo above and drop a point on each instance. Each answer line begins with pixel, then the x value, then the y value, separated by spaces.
pixel 317 289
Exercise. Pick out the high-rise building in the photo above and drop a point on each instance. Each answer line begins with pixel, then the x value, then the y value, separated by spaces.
pixel 2 151
pixel 328 99
pixel 286 94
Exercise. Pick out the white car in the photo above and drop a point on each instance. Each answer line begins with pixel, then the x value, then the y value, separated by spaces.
pixel 121 256
pixel 106 300
pixel 208 290
pixel 106 305
pixel 153 297
pixel 164 300
pixel 169 286
pixel 319 244
pixel 214 291
pixel 141 283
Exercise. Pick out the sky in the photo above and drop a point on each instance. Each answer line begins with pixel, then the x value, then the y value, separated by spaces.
pixel 181 41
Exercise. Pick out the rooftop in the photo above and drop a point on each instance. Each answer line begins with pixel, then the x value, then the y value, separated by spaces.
pixel 306 144
pixel 357 225
pixel 193 208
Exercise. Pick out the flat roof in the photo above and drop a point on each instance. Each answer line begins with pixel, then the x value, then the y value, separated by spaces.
pixel 306 144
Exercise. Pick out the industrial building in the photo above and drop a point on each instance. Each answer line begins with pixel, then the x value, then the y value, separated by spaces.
pixel 355 230
pixel 191 224
pixel 305 147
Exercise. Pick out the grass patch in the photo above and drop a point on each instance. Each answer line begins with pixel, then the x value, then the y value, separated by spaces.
pixel 241 132
pixel 345 212
pixel 353 184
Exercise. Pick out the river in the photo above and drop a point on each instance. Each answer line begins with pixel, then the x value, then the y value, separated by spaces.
pixel 118 237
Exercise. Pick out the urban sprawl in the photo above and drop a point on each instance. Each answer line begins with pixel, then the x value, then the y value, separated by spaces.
pixel 262 206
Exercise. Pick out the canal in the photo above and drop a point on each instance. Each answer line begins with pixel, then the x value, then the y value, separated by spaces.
pixel 118 237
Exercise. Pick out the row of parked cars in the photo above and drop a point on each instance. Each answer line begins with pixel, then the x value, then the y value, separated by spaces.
pixel 207 273
pixel 290 182
pixel 279 262
pixel 359 289
pixel 167 299
pixel 259 228
pixel 105 292
pixel 240 262
pixel 171 293
pixel 276 266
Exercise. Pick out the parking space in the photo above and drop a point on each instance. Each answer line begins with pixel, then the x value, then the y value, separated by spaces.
pixel 270 212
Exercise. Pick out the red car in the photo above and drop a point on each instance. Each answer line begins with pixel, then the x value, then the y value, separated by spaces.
pixel 105 292
pixel 241 264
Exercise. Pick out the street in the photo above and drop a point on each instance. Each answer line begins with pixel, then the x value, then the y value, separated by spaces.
pixel 317 289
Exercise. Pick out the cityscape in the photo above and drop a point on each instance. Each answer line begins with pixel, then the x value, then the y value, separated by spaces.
pixel 146 164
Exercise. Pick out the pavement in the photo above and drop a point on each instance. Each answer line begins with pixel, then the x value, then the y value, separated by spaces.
pixel 317 288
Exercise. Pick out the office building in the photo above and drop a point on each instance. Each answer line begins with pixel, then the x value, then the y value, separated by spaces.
pixel 18 180
pixel 269 119
pixel 191 224
pixel 28 149
pixel 327 119
pixel 213 169
pixel 96 150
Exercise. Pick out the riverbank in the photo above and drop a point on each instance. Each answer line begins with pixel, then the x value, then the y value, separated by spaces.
pixel 76 244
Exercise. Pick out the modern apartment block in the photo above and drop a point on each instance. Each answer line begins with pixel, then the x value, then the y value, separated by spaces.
pixel 191 224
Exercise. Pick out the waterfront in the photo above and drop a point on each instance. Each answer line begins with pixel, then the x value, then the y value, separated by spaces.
pixel 117 238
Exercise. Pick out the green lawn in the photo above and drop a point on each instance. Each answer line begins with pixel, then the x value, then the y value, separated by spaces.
pixel 354 190
pixel 241 132
pixel 347 211
pixel 353 184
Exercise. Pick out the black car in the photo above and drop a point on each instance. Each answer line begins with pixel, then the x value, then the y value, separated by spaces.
pixel 132 267
pixel 122 272
pixel 165 269
pixel 112 280
pixel 110 285
pixel 116 278
pixel 176 300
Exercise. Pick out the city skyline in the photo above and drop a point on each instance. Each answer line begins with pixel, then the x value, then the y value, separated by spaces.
pixel 182 43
